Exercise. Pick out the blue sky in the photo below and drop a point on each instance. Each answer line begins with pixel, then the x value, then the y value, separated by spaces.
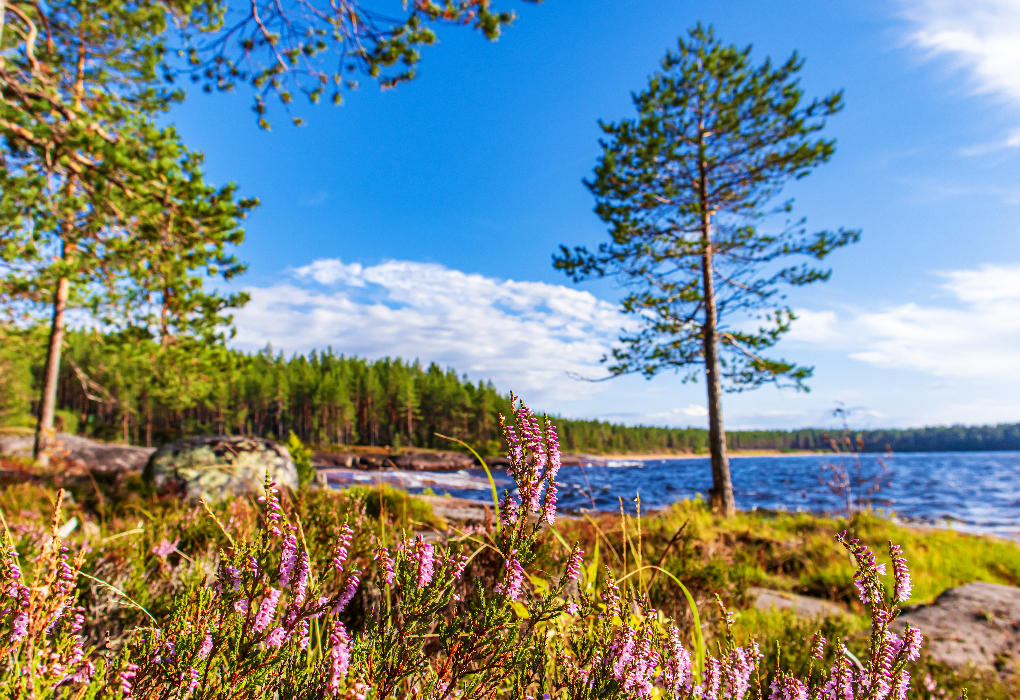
pixel 420 222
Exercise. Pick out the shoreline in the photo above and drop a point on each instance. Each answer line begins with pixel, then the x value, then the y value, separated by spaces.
pixel 641 456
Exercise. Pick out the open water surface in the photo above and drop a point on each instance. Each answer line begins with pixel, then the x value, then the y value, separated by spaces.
pixel 973 491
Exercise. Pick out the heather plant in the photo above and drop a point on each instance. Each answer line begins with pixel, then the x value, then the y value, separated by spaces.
pixel 41 650
pixel 317 609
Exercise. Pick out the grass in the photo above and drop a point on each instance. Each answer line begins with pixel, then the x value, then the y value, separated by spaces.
pixel 120 520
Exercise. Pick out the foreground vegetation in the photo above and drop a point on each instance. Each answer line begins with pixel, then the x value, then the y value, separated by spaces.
pixel 336 400
pixel 323 594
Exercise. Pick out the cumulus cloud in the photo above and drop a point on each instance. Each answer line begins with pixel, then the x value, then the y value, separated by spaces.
pixel 982 36
pixel 693 410
pixel 525 336
pixel 976 336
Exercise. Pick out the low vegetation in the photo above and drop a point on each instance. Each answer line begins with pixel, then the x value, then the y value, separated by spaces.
pixel 396 603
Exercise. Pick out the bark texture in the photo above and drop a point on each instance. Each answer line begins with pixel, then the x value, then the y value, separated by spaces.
pixel 44 429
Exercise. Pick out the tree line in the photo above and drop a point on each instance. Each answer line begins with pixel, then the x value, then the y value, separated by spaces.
pixel 106 389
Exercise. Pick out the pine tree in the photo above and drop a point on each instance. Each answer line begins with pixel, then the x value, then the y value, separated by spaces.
pixel 685 187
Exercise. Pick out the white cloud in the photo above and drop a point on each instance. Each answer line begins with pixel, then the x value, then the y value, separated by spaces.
pixel 1011 141
pixel 981 35
pixel 693 410
pixel 525 336
pixel 977 337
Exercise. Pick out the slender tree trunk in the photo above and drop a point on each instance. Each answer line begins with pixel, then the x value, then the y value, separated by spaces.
pixel 721 494
pixel 44 428
pixel 125 424
pixel 148 420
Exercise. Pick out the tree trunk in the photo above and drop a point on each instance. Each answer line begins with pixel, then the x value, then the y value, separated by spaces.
pixel 721 494
pixel 44 428
pixel 148 420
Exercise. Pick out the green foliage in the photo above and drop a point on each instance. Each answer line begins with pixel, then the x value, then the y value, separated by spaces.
pixel 302 458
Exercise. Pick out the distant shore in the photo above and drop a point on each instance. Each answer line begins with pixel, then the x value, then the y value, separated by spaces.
pixel 704 455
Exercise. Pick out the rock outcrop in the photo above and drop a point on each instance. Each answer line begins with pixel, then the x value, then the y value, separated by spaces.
pixel 219 467
pixel 410 461
pixel 97 456
pixel 978 623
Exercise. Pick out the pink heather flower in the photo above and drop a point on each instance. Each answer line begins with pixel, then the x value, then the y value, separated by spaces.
pixel 513 579
pixel 19 627
pixel 192 680
pixel 340 653
pixel 386 565
pixel 529 496
pixel 241 606
pixel 125 677
pixel 276 638
pixel 574 564
pixel 840 683
pixel 348 594
pixel 253 565
pixel 233 576
pixel 342 547
pixel 508 511
pixel 611 595
pixel 272 508
pixel 203 651
pixel 458 565
pixel 301 586
pixel 84 673
pixel 553 445
pixel 902 585
pixel 287 560
pixel 912 641
pixel 165 547
pixel 13 570
pixel 78 621
pixel 738 668
pixel 901 686
pixel 713 676
pixel 861 590
pixel 787 687
pixel 818 646
pixel 424 555
pixel 572 608
pixel 267 610
pixel 634 663
pixel 676 673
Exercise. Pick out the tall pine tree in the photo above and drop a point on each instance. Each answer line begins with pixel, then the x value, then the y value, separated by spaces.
pixel 685 187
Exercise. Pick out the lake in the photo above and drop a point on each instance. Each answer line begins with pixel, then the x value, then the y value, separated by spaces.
pixel 972 491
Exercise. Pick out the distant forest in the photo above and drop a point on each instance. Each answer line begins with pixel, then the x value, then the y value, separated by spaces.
pixel 116 390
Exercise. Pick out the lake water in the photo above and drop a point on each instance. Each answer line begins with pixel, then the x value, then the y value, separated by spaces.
pixel 973 491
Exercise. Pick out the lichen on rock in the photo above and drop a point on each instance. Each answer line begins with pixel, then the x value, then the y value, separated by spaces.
pixel 214 467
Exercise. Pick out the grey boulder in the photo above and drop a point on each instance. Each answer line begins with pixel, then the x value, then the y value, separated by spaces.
pixel 974 624
pixel 214 467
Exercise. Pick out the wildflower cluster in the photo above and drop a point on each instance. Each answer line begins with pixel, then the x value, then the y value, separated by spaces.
pixel 247 629
pixel 465 616
pixel 41 648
